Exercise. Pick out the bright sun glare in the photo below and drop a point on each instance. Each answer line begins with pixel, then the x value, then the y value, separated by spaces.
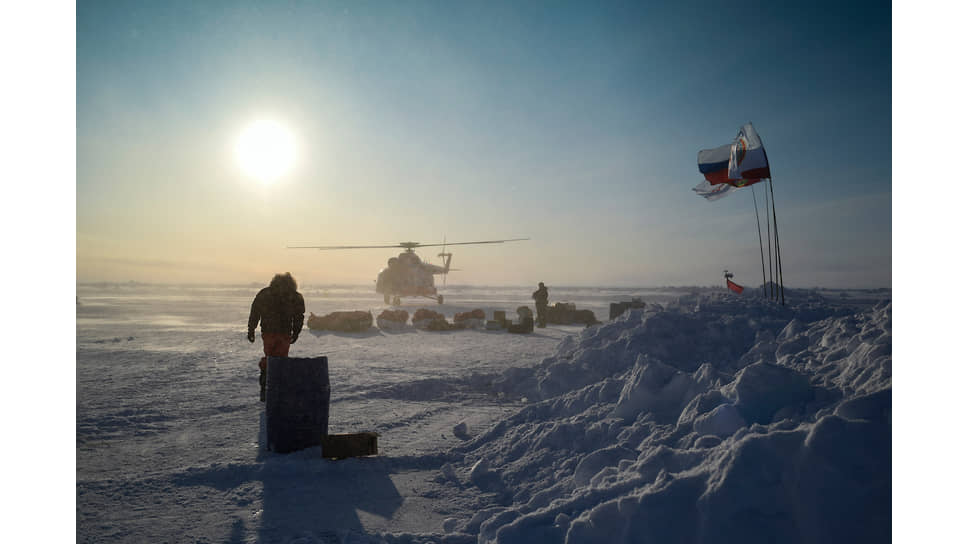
pixel 266 150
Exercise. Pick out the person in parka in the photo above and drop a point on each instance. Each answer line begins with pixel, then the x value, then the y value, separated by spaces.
pixel 280 308
pixel 541 304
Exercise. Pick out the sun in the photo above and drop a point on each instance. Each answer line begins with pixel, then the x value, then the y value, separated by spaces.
pixel 266 150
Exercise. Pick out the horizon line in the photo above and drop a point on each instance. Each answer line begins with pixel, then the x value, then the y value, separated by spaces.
pixel 456 285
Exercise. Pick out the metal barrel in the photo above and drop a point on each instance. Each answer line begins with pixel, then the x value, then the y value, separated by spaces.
pixel 297 402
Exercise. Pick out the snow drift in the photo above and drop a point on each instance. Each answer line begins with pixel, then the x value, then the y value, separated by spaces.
pixel 716 419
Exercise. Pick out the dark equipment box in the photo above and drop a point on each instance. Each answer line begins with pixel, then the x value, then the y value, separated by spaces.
pixel 297 402
pixel 341 446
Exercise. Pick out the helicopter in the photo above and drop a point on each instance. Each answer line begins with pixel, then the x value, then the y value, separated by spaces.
pixel 406 275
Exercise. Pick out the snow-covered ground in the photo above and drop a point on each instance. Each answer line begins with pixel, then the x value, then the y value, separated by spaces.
pixel 706 417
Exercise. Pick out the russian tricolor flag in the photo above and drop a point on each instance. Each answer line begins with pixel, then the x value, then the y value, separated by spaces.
pixel 714 164
pixel 739 164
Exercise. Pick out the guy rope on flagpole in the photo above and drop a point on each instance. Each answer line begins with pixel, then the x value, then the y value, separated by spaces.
pixel 759 233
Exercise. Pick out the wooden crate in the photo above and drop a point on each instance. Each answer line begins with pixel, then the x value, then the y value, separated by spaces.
pixel 341 446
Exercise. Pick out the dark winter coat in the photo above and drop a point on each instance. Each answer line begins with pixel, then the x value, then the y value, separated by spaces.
pixel 540 296
pixel 280 312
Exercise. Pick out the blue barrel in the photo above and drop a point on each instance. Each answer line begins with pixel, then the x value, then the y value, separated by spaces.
pixel 297 402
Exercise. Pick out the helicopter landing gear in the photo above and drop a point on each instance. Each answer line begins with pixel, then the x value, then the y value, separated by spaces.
pixel 386 299
pixel 396 301
pixel 440 299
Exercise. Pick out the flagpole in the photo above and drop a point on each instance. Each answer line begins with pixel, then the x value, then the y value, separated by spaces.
pixel 776 236
pixel 776 229
pixel 769 242
pixel 759 233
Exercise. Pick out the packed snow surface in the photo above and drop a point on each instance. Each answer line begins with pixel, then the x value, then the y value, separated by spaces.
pixel 704 417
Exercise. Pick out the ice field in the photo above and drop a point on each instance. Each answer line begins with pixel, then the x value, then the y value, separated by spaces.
pixel 706 417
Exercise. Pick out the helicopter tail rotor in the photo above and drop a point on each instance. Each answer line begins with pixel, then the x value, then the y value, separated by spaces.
pixel 445 257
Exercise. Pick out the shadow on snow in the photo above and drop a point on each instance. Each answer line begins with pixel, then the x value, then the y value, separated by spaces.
pixel 303 494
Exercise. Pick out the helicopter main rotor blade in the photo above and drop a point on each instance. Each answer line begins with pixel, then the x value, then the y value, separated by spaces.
pixel 467 243
pixel 394 246
pixel 408 245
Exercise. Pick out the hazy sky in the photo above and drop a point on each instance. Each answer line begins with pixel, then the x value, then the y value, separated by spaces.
pixel 574 124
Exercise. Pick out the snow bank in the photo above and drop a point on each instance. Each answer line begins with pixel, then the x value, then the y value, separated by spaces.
pixel 717 419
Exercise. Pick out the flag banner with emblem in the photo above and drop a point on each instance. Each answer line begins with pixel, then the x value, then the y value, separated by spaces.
pixel 747 158
pixel 735 287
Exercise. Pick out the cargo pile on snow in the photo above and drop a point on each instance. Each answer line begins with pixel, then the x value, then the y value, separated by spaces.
pixel 473 319
pixel 565 313
pixel 392 320
pixel 355 321
pixel 430 320
pixel 499 322
pixel 441 325
pixel 525 323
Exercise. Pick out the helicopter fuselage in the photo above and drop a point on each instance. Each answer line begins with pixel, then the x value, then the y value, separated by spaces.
pixel 407 276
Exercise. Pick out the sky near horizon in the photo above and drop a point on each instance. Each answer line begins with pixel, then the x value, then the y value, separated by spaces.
pixel 576 124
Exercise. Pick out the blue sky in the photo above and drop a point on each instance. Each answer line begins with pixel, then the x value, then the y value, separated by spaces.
pixel 575 124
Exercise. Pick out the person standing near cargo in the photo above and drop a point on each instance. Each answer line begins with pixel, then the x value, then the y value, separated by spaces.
pixel 541 304
pixel 280 308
